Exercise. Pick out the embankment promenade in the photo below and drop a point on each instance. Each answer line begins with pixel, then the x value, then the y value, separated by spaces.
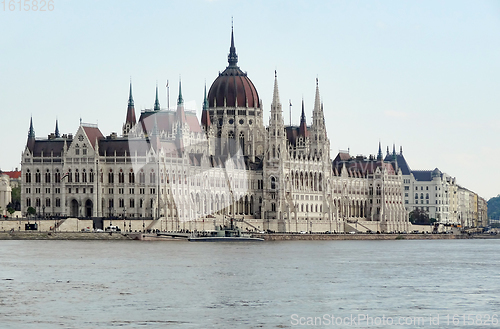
pixel 22 235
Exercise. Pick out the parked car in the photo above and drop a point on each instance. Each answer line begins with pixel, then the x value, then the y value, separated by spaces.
pixel 112 229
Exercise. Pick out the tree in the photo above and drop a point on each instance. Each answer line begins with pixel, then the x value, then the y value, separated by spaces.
pixel 420 217
pixel 16 198
pixel 494 208
pixel 31 211
pixel 11 210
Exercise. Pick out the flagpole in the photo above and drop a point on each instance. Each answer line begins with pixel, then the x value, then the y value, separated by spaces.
pixel 168 98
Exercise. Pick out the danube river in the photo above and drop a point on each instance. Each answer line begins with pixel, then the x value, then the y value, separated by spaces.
pixel 133 284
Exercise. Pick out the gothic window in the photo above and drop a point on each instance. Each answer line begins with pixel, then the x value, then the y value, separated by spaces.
pixel 379 191
pixel 231 134
pixel 242 141
pixel 77 176
pixel 131 177
pixel 427 195
pixel 416 195
pixel 273 183
pixel 121 203
pixel 132 203
pixel 91 176
pixel 142 177
pixel 70 176
pixel 28 176
pixel 77 150
pixel 37 176
pixel 28 202
pixel 58 202
pixel 421 195
pixel 47 177
pixel 152 177
pixel 111 178
pixel 84 176
pixel 47 202
pixel 37 202
pixel 121 177
pixel 273 206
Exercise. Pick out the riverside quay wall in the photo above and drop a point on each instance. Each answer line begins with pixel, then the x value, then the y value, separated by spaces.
pixel 33 235
pixel 291 237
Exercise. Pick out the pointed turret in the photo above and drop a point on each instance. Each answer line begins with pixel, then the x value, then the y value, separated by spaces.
pixel 276 118
pixel 205 117
pixel 181 116
pixel 379 154
pixel 387 150
pixel 180 100
pixel 31 133
pixel 401 150
pixel 130 119
pixel 232 58
pixel 276 95
pixel 317 100
pixel 31 136
pixel 303 126
pixel 56 132
pixel 157 102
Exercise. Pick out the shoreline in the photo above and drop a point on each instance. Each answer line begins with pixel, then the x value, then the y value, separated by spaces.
pixel 113 236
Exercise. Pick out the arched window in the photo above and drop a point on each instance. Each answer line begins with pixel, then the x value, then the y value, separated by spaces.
pixel 273 183
pixel 28 176
pixel 242 142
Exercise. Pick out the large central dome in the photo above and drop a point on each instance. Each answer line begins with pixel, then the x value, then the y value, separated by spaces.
pixel 233 88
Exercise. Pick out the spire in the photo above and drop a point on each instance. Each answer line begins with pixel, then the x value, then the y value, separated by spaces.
pixel 31 133
pixel 388 150
pixel 130 99
pixel 317 100
pixel 57 130
pixel 205 117
pixel 276 95
pixel 303 126
pixel 232 58
pixel 401 150
pixel 180 101
pixel 157 102
pixel 130 118
pixel 205 100
pixel 31 136
pixel 379 155
pixel 181 116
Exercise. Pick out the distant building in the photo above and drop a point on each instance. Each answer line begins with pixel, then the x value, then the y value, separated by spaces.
pixel 5 194
pixel 14 177
pixel 438 194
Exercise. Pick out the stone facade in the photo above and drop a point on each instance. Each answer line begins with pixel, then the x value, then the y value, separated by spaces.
pixel 176 172
pixel 5 194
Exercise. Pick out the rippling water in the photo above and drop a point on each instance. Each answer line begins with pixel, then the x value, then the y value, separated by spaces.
pixel 129 284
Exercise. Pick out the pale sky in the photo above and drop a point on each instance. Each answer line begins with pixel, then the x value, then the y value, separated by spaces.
pixel 421 74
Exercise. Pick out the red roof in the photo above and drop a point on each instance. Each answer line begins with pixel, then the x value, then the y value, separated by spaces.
pixel 12 174
pixel 93 134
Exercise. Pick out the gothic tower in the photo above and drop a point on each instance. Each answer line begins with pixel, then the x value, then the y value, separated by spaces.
pixel 235 109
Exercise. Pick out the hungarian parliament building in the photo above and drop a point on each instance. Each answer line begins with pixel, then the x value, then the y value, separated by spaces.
pixel 175 171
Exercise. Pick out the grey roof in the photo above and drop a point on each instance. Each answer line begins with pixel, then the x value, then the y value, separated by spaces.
pixel 422 175
pixel 401 161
